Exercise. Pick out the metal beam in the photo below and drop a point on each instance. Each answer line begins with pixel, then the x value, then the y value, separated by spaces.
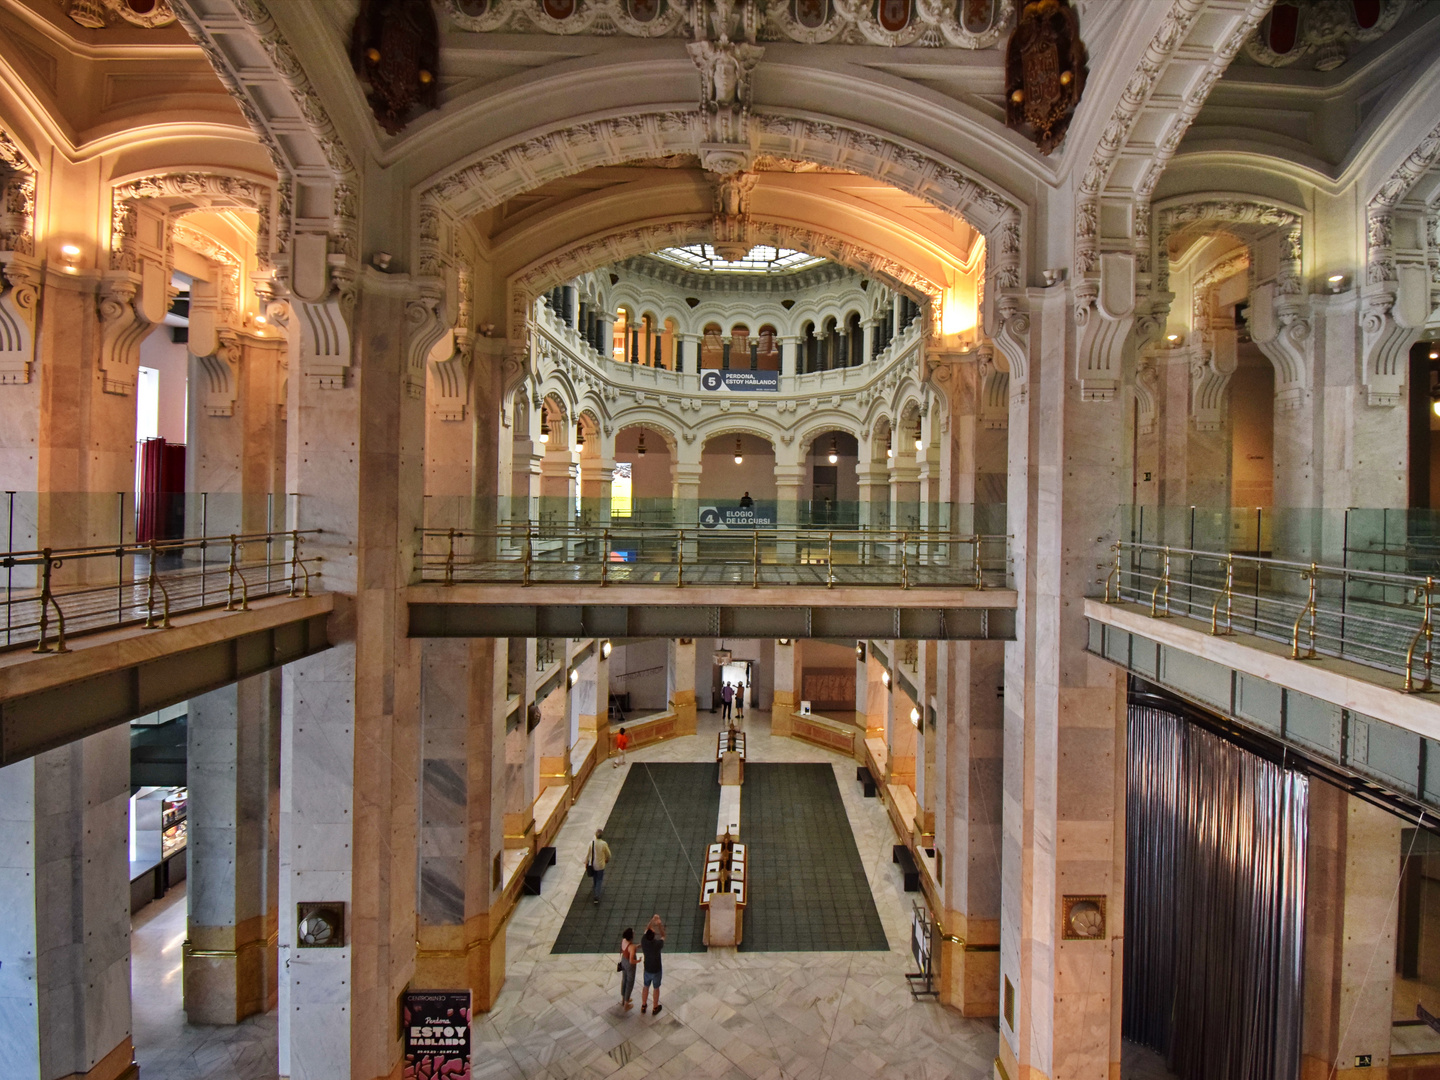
pixel 42 720
pixel 706 620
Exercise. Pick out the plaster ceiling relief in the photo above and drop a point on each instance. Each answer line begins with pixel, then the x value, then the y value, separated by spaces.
pixel 1320 35
pixel 964 24
pixel 101 14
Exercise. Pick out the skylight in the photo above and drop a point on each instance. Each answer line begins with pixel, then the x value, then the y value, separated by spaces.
pixel 760 260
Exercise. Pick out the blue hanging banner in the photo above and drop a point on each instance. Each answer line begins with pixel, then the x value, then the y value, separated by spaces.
pixel 740 381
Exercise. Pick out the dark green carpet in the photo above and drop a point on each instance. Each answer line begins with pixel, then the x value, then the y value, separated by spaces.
pixel 651 868
pixel 808 891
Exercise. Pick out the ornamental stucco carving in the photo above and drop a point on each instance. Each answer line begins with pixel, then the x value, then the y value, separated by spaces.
pixel 17 199
pixel 1325 31
pixel 851 22
pixel 20 276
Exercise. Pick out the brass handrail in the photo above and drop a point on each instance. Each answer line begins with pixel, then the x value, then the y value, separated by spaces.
pixel 1163 583
pixel 47 598
pixel 1228 597
pixel 154 580
pixel 1308 609
pixel 1425 594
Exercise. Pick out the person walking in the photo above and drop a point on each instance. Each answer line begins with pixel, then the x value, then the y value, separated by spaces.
pixel 740 701
pixel 595 862
pixel 621 742
pixel 651 945
pixel 727 695
pixel 626 967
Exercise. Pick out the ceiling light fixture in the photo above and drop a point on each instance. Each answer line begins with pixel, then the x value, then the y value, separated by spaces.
pixel 574 676
pixel 739 454
pixel 834 451
pixel 915 717
pixel 919 437
pixel 261 319
pixel 605 650
pixel 885 678
pixel 889 450
pixel 544 426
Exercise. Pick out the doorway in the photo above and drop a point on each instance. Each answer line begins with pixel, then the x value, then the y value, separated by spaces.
pixel 739 673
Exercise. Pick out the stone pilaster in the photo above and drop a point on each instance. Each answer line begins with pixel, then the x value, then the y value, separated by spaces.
pixel 682 686
pixel 233 855
pixel 1353 862
pixel 1064 710
pixel 969 737
pixel 65 938
pixel 784 700
pixel 461 938
pixel 350 719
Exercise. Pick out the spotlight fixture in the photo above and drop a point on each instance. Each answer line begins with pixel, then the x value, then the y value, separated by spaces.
pixel 544 426
pixel 574 676
pixel 834 451
pixel 1433 354
pixel 605 650
pixel 640 446
pixel 784 641
pixel 1336 282
pixel 739 454
pixel 261 319
pixel 1435 407
pixel 885 678
pixel 859 649
pixel 915 717
pixel 71 253
pixel 1172 337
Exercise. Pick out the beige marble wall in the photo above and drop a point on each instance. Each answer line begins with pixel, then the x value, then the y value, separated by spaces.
pixel 969 739
pixel 65 937
pixel 1352 873
pixel 1063 805
pixel 350 734
pixel 232 879
pixel 461 818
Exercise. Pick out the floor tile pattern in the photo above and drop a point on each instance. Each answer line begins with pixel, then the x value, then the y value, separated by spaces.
pixel 808 891
pixel 658 830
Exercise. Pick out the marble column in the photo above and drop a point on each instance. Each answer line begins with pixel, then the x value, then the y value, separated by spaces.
pixel 927 745
pixel 685 490
pixel 789 356
pixel 232 871
pixel 557 483
pixel 459 944
pixel 969 739
pixel 785 698
pixel 1064 823
pixel 552 737
pixel 593 704
pixel 682 685
pixel 874 493
pixel 65 892
pixel 522 762
pixel 1352 867
pixel 904 485
pixel 349 779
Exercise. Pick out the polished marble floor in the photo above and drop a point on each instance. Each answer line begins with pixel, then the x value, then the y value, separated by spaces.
pixel 777 1016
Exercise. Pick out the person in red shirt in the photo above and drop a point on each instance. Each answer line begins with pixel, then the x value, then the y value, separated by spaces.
pixel 621 742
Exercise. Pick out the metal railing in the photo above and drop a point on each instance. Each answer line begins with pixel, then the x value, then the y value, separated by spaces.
pixel 151 582
pixel 1382 620
pixel 536 554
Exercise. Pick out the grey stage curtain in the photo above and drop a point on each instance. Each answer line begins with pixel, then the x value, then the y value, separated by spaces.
pixel 1214 902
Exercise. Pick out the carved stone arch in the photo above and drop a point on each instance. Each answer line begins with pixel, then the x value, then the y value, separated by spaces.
pixel 657 423
pixel 569 262
pixel 823 423
pixel 20 274
pixel 1279 312
pixel 1401 287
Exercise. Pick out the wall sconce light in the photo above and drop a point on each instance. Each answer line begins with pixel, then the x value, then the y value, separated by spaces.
pixel 834 451
pixel 1433 354
pixel 1172 338
pixel 739 455
pixel 544 426
pixel 574 676
pixel 859 649
pixel 784 641
pixel 71 253
pixel 889 450
pixel 1336 283
pixel 885 678
pixel 915 717
pixel 640 446
pixel 605 650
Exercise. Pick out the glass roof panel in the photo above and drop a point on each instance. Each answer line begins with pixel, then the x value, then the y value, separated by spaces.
pixel 761 259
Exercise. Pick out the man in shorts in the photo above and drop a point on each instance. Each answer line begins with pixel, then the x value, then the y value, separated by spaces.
pixel 651 945
pixel 621 742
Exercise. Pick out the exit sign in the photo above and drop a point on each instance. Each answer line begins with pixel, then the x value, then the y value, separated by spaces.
pixel 1362 1061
